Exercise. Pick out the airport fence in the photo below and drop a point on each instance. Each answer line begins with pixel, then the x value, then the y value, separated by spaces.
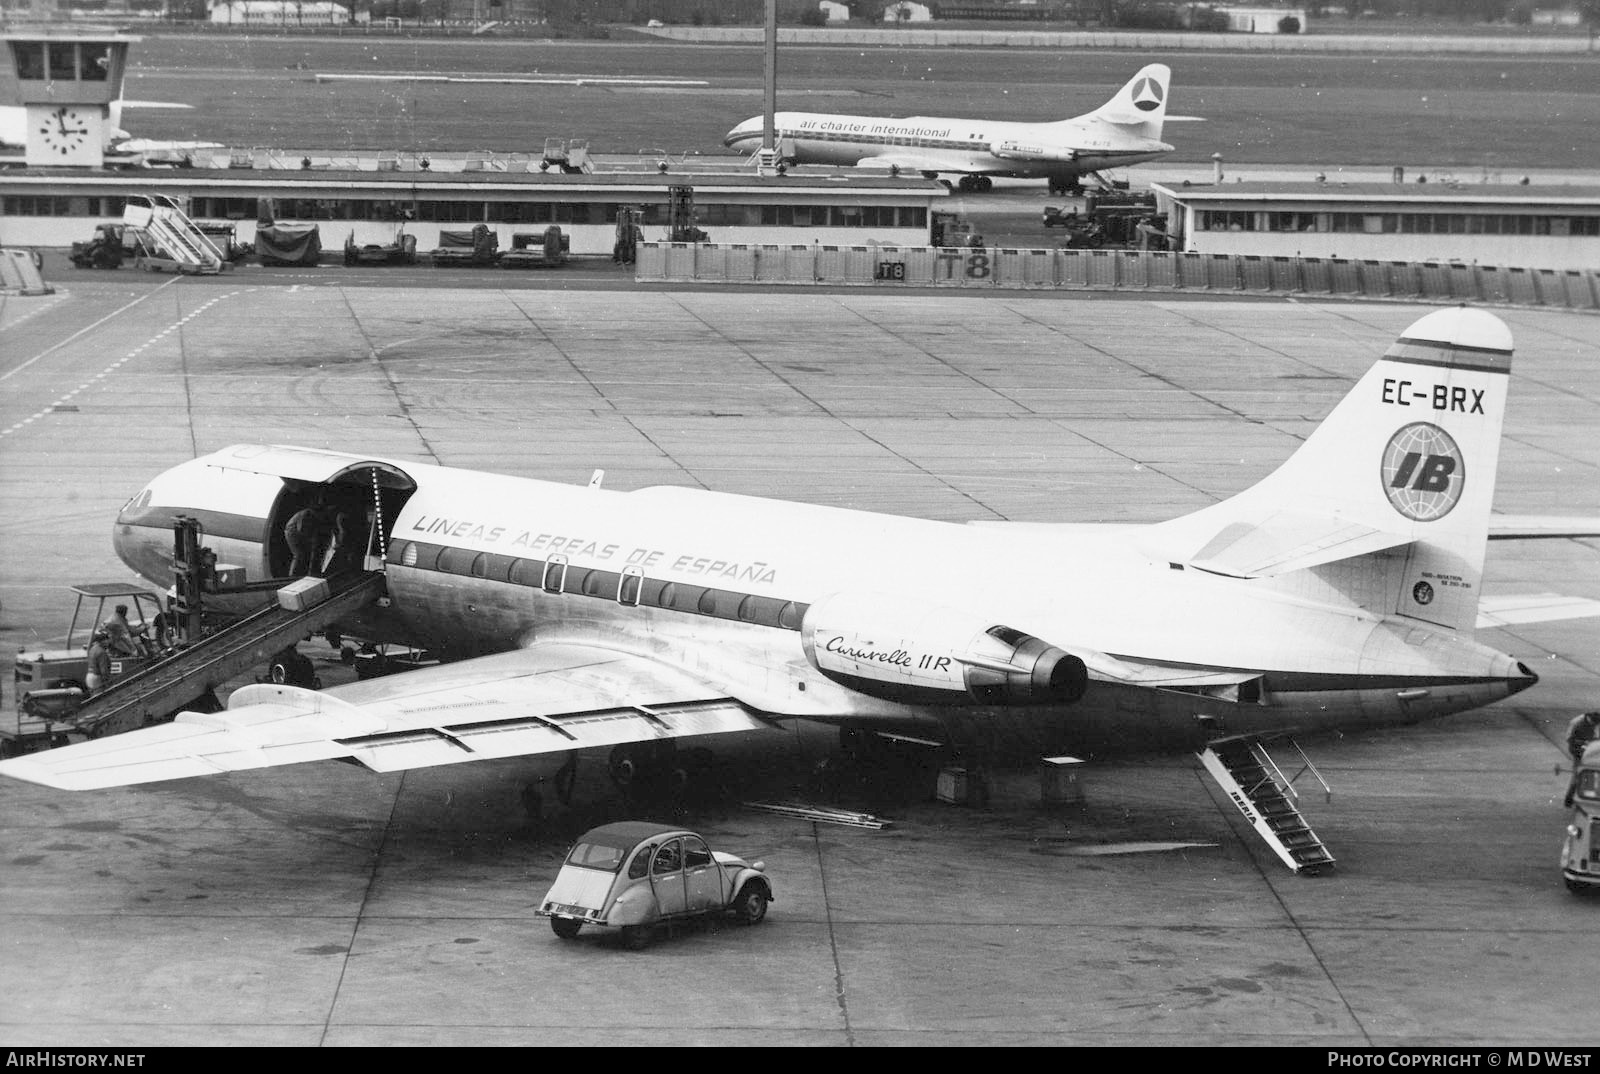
pixel 985 268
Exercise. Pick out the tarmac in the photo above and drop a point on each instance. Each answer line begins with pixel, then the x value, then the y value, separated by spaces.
pixel 324 905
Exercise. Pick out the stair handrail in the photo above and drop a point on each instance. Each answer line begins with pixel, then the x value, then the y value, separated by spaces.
pixel 1307 766
pixel 1274 774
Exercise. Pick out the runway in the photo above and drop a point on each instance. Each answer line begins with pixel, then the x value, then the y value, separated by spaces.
pixel 327 905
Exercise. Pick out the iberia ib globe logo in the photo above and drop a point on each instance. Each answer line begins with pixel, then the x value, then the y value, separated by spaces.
pixel 1423 472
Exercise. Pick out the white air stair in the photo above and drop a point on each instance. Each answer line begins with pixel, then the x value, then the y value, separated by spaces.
pixel 1253 781
pixel 168 239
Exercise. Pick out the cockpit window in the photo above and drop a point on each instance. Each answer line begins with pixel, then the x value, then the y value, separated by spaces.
pixel 594 856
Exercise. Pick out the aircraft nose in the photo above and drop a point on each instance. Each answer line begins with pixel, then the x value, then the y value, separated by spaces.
pixel 741 132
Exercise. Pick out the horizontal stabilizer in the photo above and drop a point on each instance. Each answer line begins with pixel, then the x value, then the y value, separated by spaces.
pixel 1286 541
pixel 1533 608
pixel 1529 527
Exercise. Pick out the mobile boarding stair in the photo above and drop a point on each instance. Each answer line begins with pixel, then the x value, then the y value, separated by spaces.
pixel 156 693
pixel 1250 777
pixel 167 240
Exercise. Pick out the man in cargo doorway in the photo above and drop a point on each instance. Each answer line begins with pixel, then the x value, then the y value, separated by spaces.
pixel 306 533
pixel 351 526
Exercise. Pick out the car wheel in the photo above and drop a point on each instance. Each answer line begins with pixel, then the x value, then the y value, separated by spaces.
pixel 637 937
pixel 565 927
pixel 750 907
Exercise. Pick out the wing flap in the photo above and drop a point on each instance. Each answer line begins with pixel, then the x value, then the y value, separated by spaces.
pixel 520 737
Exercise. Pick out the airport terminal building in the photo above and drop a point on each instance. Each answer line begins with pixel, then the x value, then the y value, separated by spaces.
pixel 1556 227
pixel 52 207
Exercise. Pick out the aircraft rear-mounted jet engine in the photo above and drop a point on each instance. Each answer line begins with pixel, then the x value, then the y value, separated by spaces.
pixel 1012 150
pixel 902 651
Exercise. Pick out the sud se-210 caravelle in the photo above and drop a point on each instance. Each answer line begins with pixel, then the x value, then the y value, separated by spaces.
pixel 1125 130
pixel 1340 591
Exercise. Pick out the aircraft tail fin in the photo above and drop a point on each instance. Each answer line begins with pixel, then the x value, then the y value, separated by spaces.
pixel 1141 105
pixel 1395 485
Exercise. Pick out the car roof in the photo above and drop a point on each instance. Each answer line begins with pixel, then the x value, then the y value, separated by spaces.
pixel 627 834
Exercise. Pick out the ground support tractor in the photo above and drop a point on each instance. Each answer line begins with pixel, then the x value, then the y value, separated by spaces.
pixel 193 654
pixel 107 250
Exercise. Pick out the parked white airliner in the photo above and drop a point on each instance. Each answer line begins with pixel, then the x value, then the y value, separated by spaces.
pixel 1340 591
pixel 1125 130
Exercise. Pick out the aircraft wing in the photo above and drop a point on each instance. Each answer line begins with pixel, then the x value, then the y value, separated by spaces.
pixel 911 162
pixel 543 699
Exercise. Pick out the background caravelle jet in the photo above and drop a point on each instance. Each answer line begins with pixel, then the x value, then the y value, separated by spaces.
pixel 1125 130
pixel 1340 591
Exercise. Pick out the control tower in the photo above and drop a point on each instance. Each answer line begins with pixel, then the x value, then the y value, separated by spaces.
pixel 61 92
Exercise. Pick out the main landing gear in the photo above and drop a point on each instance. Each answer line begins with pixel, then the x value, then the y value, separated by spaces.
pixel 565 778
pixel 660 771
pixel 975 184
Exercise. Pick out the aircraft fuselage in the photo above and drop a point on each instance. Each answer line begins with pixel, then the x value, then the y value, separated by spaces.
pixel 1059 151
pixel 757 597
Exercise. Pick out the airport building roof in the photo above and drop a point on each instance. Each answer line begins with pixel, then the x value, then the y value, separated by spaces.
pixel 1455 194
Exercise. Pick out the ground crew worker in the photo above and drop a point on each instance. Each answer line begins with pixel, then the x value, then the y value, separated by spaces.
pixel 349 539
pixel 119 633
pixel 1583 730
pixel 99 673
pixel 304 532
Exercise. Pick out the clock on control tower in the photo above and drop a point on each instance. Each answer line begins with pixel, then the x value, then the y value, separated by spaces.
pixel 66 134
pixel 68 81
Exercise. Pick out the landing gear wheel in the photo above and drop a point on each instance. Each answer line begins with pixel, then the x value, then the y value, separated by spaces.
pixel 565 927
pixel 624 768
pixel 750 905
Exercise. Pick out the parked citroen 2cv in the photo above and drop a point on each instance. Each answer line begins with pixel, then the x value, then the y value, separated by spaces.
pixel 638 875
